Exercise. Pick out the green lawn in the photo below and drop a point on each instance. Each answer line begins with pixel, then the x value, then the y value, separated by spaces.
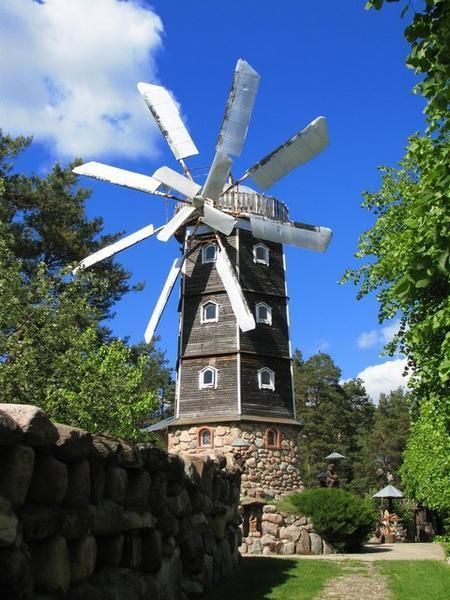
pixel 278 579
pixel 265 578
pixel 417 580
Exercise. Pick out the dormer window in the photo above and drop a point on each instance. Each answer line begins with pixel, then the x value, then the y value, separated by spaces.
pixel 266 379
pixel 207 378
pixel 210 312
pixel 261 254
pixel 205 438
pixel 209 253
pixel 263 313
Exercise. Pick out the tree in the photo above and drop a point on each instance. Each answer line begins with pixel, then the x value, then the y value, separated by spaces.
pixel 54 348
pixel 407 258
pixel 46 220
pixel 334 415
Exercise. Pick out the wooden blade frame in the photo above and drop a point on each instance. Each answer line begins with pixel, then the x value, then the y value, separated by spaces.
pixel 231 284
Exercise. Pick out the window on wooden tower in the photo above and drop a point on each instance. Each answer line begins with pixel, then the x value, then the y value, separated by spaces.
pixel 272 438
pixel 261 254
pixel 266 379
pixel 208 378
pixel 210 312
pixel 205 438
pixel 209 253
pixel 263 313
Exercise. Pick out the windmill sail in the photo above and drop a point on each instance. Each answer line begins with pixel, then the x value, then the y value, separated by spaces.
pixel 128 179
pixel 183 215
pixel 238 109
pixel 217 176
pixel 163 298
pixel 166 114
pixel 218 220
pixel 119 246
pixel 231 284
pixel 301 235
pixel 300 148
pixel 174 180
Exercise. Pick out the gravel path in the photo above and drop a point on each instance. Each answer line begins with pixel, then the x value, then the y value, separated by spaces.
pixel 362 581
pixel 373 552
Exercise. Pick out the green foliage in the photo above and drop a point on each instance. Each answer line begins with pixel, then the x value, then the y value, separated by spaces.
pixel 426 468
pixel 343 519
pixel 340 416
pixel 55 350
pixel 407 259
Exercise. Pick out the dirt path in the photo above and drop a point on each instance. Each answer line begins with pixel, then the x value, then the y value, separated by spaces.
pixel 360 581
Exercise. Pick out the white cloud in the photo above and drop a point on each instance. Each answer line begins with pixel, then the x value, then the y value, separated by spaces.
pixel 383 378
pixel 375 337
pixel 69 70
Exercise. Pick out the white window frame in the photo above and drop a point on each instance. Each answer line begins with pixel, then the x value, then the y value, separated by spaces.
pixel 202 313
pixel 206 386
pixel 268 320
pixel 262 261
pixel 266 386
pixel 205 259
pixel 201 431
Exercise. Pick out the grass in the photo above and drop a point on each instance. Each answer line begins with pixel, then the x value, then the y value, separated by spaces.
pixel 417 580
pixel 264 578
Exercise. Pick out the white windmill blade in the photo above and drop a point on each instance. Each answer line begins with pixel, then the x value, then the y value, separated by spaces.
pixel 238 109
pixel 301 235
pixel 167 116
pixel 128 179
pixel 217 176
pixel 174 180
pixel 217 219
pixel 300 148
pixel 183 215
pixel 116 247
pixel 231 284
pixel 163 298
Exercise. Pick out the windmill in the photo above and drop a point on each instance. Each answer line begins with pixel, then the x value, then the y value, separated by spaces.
pixel 204 205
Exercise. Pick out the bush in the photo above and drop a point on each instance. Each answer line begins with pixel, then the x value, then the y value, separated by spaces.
pixel 343 519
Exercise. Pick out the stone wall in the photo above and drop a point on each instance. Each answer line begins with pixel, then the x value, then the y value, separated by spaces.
pixel 269 471
pixel 281 533
pixel 92 518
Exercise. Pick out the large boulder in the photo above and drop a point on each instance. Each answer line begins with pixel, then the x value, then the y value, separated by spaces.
pixel 82 557
pixel 10 432
pixel 37 428
pixel 16 469
pixel 49 481
pixel 8 523
pixel 73 443
pixel 51 568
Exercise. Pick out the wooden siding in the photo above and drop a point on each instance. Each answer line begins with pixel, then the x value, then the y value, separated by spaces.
pixel 267 339
pixel 256 277
pixel 221 400
pixel 255 401
pixel 208 338
pixel 203 278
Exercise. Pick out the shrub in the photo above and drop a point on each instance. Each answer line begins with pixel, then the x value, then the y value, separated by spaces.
pixel 343 519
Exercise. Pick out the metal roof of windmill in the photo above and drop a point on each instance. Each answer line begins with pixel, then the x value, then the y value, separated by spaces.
pixel 389 491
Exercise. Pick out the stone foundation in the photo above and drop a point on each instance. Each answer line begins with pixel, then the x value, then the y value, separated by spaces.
pixel 274 532
pixel 270 471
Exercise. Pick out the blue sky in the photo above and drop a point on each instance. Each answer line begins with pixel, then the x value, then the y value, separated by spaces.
pixel 71 81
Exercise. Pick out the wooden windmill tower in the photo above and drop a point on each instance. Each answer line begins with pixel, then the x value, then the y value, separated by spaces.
pixel 234 375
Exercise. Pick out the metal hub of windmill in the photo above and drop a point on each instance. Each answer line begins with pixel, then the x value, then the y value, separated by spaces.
pixel 222 203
